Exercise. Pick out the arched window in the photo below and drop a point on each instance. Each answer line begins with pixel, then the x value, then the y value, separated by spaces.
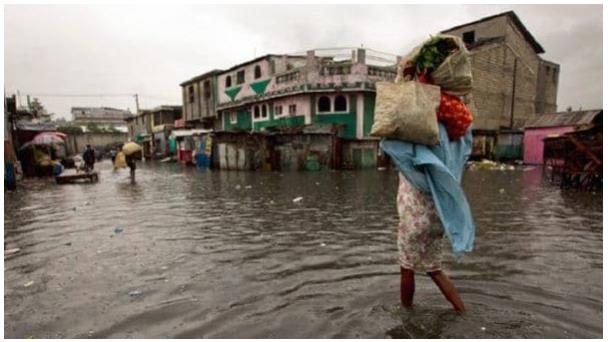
pixel 264 111
pixel 228 81
pixel 256 112
pixel 324 104
pixel 257 72
pixel 340 103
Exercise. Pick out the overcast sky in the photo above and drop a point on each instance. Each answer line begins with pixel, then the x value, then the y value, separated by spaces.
pixel 122 50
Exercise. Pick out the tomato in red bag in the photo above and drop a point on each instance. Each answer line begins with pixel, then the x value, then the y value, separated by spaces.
pixel 455 115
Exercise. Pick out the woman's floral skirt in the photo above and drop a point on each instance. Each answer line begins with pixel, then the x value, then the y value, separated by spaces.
pixel 420 233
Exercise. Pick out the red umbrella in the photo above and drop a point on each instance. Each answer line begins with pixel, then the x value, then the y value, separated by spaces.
pixel 46 138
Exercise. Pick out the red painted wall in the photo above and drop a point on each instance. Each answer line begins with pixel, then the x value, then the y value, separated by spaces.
pixel 534 145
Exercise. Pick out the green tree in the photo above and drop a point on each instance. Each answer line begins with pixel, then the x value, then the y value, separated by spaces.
pixel 111 128
pixel 94 128
pixel 38 109
pixel 70 129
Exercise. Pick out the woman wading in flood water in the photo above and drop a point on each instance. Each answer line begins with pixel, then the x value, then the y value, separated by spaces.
pixel 430 200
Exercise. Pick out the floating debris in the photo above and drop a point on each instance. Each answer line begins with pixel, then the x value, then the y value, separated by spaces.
pixel 486 164
pixel 502 191
pixel 118 229
pixel 135 293
pixel 323 244
pixel 11 251
pixel 248 187
pixel 29 283
pixel 237 187
pixel 298 199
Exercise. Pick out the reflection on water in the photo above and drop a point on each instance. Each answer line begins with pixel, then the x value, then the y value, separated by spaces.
pixel 229 254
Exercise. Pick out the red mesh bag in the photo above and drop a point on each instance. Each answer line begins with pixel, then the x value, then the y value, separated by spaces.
pixel 455 115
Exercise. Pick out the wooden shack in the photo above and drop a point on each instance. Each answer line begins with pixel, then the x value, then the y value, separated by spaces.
pixel 574 159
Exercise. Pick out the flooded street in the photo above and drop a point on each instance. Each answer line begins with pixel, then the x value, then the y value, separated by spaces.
pixel 185 253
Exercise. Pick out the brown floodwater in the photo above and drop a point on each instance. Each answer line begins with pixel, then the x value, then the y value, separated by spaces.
pixel 187 253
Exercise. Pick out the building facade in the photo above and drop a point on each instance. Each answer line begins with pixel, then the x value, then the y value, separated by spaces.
pixel 511 82
pixel 323 87
pixel 282 90
pixel 199 98
pixel 152 128
pixel 102 117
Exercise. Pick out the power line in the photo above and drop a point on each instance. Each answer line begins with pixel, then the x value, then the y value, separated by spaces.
pixel 77 95
pixel 101 95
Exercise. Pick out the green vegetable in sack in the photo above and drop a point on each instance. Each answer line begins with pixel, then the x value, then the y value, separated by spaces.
pixel 432 54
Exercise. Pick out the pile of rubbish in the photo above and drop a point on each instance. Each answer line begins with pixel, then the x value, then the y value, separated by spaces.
pixel 486 164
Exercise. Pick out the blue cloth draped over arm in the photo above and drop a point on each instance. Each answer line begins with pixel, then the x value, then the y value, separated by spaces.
pixel 438 170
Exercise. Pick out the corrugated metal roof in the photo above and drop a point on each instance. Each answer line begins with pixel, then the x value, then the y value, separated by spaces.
pixel 577 118
pixel 178 133
pixel 35 126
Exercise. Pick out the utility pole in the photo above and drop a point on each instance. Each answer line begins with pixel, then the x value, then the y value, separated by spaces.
pixel 137 112
pixel 136 103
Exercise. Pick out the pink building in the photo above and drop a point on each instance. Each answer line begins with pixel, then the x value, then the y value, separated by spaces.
pixel 542 126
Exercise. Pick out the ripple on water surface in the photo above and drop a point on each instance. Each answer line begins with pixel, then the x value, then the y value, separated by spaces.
pixel 188 253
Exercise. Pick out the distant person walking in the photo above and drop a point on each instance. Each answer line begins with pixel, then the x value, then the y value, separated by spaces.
pixel 89 159
pixel 130 159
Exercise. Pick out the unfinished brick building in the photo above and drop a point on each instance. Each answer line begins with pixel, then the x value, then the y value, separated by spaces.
pixel 511 82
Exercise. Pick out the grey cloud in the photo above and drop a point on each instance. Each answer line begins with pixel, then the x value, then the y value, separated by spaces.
pixel 150 50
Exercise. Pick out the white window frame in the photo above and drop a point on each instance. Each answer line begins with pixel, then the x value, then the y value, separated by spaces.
pixel 295 112
pixel 257 67
pixel 332 102
pixel 233 117
pixel 282 114
pixel 262 117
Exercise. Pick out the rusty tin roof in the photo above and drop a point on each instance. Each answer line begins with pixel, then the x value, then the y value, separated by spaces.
pixel 574 118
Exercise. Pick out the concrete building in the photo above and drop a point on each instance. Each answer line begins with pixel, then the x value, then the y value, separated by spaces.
pixel 152 127
pixel 199 98
pixel 511 82
pixel 103 117
pixel 334 87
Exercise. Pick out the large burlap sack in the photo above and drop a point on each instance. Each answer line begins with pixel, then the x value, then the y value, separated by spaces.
pixel 120 161
pixel 407 111
pixel 454 75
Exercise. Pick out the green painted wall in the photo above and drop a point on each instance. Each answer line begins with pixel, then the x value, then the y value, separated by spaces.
pixel 508 152
pixel 350 119
pixel 232 92
pixel 282 122
pixel 364 158
pixel 243 120
pixel 369 102
pixel 260 86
